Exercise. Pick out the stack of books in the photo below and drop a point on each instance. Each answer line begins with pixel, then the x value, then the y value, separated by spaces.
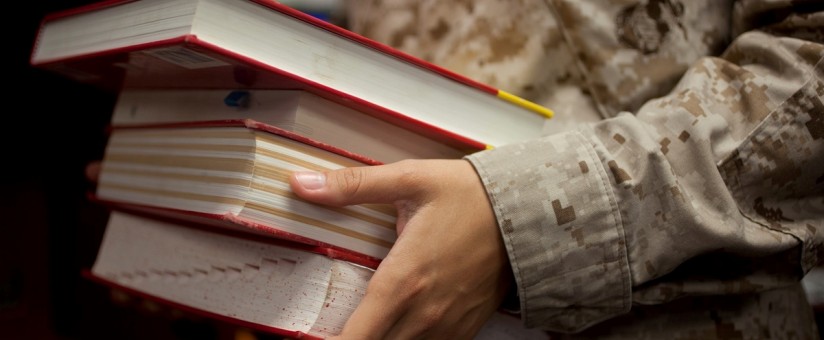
pixel 218 102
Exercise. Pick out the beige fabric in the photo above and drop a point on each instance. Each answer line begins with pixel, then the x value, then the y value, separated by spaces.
pixel 696 203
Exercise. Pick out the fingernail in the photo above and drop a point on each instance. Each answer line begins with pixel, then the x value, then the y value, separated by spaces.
pixel 311 180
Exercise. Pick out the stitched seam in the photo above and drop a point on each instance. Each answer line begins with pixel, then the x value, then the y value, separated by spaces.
pixel 493 198
pixel 607 189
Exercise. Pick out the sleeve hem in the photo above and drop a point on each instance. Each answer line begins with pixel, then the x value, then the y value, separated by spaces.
pixel 562 229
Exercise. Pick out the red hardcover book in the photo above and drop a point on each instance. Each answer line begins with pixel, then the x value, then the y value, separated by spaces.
pixel 253 282
pixel 261 44
pixel 300 112
pixel 234 174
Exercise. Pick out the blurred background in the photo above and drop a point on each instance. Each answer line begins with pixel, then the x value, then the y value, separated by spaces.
pixel 50 232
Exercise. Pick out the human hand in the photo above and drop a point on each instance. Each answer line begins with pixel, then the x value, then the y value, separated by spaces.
pixel 448 270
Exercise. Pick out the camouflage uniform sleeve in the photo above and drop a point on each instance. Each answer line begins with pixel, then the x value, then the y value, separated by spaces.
pixel 716 187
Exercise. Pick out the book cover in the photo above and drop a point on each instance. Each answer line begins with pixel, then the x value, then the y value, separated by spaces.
pixel 266 45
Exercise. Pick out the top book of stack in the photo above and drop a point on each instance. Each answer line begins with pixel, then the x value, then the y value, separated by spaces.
pixel 257 44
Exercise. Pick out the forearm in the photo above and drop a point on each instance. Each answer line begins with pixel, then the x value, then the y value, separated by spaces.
pixel 562 229
pixel 644 208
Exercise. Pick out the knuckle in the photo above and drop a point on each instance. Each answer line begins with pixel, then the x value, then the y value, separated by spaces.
pixel 418 288
pixel 408 174
pixel 404 287
pixel 349 181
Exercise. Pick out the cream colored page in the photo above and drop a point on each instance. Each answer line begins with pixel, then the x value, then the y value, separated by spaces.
pixel 237 278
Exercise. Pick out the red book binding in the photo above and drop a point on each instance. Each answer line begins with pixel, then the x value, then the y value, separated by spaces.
pixel 132 149
pixel 343 67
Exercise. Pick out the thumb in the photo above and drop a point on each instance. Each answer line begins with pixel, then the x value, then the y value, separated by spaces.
pixel 348 186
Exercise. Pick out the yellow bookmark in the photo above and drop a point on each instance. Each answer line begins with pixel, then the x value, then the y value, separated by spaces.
pixel 525 104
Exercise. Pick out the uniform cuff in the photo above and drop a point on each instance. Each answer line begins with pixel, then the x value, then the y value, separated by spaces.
pixel 562 229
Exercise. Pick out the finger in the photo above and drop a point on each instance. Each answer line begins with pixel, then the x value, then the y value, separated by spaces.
pixel 92 171
pixel 369 321
pixel 373 317
pixel 347 186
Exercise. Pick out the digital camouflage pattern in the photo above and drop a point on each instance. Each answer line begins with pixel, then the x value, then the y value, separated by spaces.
pixel 691 202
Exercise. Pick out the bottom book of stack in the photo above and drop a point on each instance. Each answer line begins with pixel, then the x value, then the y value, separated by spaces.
pixel 266 285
